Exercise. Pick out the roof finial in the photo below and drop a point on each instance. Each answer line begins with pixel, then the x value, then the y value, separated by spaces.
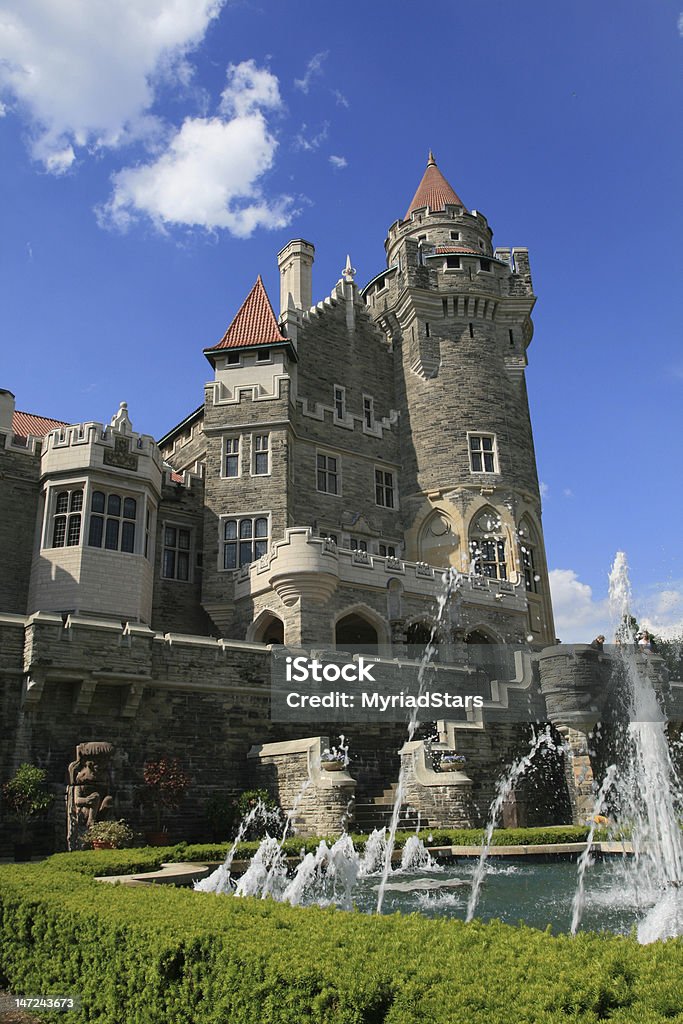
pixel 349 272
pixel 431 162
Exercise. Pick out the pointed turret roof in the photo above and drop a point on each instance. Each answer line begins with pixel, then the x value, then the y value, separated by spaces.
pixel 254 323
pixel 433 191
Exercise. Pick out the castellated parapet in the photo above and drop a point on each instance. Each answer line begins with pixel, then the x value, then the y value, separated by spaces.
pixel 106 480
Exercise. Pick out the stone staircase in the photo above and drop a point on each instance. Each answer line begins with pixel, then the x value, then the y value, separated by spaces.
pixel 375 812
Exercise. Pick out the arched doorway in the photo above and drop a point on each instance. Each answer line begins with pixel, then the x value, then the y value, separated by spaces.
pixel 354 630
pixel 268 629
pixel 487 653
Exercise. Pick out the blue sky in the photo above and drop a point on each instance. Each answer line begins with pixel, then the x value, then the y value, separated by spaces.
pixel 156 154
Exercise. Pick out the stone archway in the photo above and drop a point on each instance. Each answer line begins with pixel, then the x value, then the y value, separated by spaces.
pixel 267 628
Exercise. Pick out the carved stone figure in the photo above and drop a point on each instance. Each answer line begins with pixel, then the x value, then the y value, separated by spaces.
pixel 88 795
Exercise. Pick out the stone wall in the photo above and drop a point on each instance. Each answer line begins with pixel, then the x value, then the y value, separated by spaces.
pixel 19 501
pixel 320 802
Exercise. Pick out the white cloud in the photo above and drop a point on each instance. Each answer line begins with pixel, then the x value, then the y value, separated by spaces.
pixel 544 489
pixel 313 70
pixel 663 613
pixel 578 617
pixel 568 492
pixel 309 141
pixel 680 24
pixel 338 162
pixel 3 110
pixel 249 88
pixel 341 99
pixel 83 71
pixel 208 176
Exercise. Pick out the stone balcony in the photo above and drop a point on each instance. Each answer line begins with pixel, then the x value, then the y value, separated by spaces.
pixel 303 564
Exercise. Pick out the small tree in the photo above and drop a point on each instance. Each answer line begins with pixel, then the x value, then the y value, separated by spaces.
pixel 165 785
pixel 26 796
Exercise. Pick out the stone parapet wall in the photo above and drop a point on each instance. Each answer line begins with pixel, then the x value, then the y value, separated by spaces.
pixel 320 802
pixel 444 799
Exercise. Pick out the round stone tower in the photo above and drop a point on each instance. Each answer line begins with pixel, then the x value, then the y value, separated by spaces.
pixel 457 312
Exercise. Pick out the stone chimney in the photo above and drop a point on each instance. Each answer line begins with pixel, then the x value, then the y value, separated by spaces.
pixel 6 411
pixel 296 275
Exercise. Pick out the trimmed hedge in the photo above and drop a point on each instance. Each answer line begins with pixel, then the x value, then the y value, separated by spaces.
pixel 160 955
pixel 116 862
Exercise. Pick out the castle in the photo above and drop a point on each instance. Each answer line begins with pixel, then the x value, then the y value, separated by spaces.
pixel 345 453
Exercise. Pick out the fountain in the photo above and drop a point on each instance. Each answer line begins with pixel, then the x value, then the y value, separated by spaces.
pixel 638 792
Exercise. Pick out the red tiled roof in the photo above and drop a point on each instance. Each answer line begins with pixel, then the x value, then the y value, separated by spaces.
pixel 456 248
pixel 26 423
pixel 433 191
pixel 254 324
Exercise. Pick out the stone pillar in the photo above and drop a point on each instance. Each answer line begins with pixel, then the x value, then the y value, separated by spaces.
pixel 579 775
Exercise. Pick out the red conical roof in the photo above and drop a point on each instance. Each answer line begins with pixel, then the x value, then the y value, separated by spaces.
pixel 433 191
pixel 254 323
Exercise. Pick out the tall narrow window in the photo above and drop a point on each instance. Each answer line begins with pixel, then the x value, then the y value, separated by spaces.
pixel 327 467
pixel 245 538
pixel 66 522
pixel 531 577
pixel 339 403
pixel 232 456
pixel 175 563
pixel 368 412
pixel 482 453
pixel 384 488
pixel 356 544
pixel 261 460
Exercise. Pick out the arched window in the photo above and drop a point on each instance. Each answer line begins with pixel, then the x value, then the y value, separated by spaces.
pixel 487 545
pixel 437 540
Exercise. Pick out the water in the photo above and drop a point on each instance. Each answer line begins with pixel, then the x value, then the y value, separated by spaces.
pixel 504 788
pixel 450 579
pixel 220 880
pixel 585 860
pixel 647 787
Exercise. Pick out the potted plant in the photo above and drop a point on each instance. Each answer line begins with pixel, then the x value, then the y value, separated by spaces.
pixel 333 760
pixel 26 797
pixel 164 789
pixel 109 835
pixel 452 762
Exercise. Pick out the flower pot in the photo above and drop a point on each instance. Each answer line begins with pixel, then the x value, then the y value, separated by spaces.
pixel 157 839
pixel 332 766
pixel 23 851
pixel 451 766
pixel 102 844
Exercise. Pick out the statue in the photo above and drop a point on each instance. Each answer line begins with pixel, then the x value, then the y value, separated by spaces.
pixel 88 794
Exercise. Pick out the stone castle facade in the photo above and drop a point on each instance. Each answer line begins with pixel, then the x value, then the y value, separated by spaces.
pixel 345 454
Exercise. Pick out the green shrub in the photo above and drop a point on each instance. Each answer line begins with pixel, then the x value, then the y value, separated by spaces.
pixel 160 955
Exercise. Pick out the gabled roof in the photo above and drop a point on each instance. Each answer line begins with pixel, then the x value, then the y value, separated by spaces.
pixel 254 324
pixel 25 424
pixel 433 191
